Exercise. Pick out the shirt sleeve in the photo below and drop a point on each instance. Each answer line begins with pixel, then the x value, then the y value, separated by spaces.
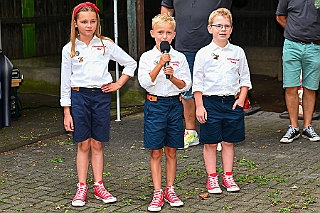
pixel 65 88
pixel 124 59
pixel 143 72
pixel 167 3
pixel 185 76
pixel 282 9
pixel 244 73
pixel 198 73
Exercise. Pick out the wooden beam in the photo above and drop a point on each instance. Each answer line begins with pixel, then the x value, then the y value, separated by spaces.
pixel 140 28
pixel 132 28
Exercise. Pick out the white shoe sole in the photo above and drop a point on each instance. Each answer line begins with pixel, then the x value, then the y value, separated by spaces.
pixel 235 189
pixel 286 140
pixel 311 139
pixel 109 200
pixel 177 204
pixel 215 191
pixel 219 147
pixel 78 203
pixel 154 209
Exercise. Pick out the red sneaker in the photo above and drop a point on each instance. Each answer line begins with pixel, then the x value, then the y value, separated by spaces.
pixel 213 185
pixel 81 195
pixel 229 183
pixel 171 197
pixel 157 201
pixel 102 194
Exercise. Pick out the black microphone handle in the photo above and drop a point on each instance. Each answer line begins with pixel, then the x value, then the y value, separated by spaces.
pixel 165 65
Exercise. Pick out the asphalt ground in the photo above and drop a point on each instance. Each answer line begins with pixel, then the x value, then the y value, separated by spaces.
pixel 38 172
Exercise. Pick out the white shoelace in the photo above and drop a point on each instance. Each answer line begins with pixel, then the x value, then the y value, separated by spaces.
pixel 311 131
pixel 290 131
pixel 81 193
pixel 213 182
pixel 156 198
pixel 172 195
pixel 102 192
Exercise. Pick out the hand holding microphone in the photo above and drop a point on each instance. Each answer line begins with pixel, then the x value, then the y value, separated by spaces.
pixel 165 48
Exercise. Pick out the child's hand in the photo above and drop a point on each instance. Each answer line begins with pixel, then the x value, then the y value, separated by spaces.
pixel 201 114
pixel 111 87
pixel 164 58
pixel 169 71
pixel 68 123
pixel 239 103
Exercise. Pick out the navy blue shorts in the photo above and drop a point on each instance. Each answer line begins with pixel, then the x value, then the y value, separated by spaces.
pixel 163 123
pixel 223 123
pixel 90 110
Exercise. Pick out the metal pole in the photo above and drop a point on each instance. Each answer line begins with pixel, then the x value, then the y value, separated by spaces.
pixel 115 12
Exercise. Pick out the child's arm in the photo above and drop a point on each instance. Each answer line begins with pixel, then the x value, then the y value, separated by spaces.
pixel 242 97
pixel 68 121
pixel 176 81
pixel 201 112
pixel 163 59
pixel 245 83
pixel 167 10
pixel 111 87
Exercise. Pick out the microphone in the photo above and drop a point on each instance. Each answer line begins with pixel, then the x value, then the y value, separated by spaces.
pixel 165 48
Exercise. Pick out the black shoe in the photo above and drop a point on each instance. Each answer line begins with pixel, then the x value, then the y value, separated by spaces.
pixel 291 134
pixel 310 134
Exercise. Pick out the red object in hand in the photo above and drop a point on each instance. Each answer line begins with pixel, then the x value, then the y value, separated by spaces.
pixel 246 103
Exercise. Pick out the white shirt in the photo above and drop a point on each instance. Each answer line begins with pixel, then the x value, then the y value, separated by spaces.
pixel 162 86
pixel 220 71
pixel 89 67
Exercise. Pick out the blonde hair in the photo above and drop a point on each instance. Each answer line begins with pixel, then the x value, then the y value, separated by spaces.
pixel 75 32
pixel 163 18
pixel 224 12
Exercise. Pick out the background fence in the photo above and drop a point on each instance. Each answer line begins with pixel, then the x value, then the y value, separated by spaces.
pixel 41 27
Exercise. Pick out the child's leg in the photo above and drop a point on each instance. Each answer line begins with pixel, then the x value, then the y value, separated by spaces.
pixel 83 160
pixel 171 164
pixel 97 159
pixel 227 155
pixel 227 163
pixel 210 157
pixel 155 165
pixel 210 160
pixel 171 169
pixel 82 168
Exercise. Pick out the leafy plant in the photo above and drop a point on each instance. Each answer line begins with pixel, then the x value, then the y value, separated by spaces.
pixel 285 209
pixel 56 160
pixel 127 202
pixel 274 194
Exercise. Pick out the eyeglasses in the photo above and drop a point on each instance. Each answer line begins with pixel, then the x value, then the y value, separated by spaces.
pixel 220 26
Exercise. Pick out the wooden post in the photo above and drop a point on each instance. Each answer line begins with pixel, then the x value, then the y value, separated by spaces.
pixel 132 28
pixel 141 27
pixel 28 30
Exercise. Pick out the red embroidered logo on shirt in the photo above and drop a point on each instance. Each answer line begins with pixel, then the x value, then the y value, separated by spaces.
pixel 233 60
pixel 98 47
pixel 175 63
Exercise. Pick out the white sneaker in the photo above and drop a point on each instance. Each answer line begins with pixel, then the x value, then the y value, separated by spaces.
pixel 219 147
pixel 190 138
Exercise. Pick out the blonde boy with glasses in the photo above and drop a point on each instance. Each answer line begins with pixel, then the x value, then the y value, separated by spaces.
pixel 221 80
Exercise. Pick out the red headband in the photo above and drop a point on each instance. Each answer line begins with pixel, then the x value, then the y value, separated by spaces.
pixel 89 4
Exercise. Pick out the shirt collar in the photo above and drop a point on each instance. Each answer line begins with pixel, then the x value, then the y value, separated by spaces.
pixel 95 38
pixel 216 47
pixel 155 49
